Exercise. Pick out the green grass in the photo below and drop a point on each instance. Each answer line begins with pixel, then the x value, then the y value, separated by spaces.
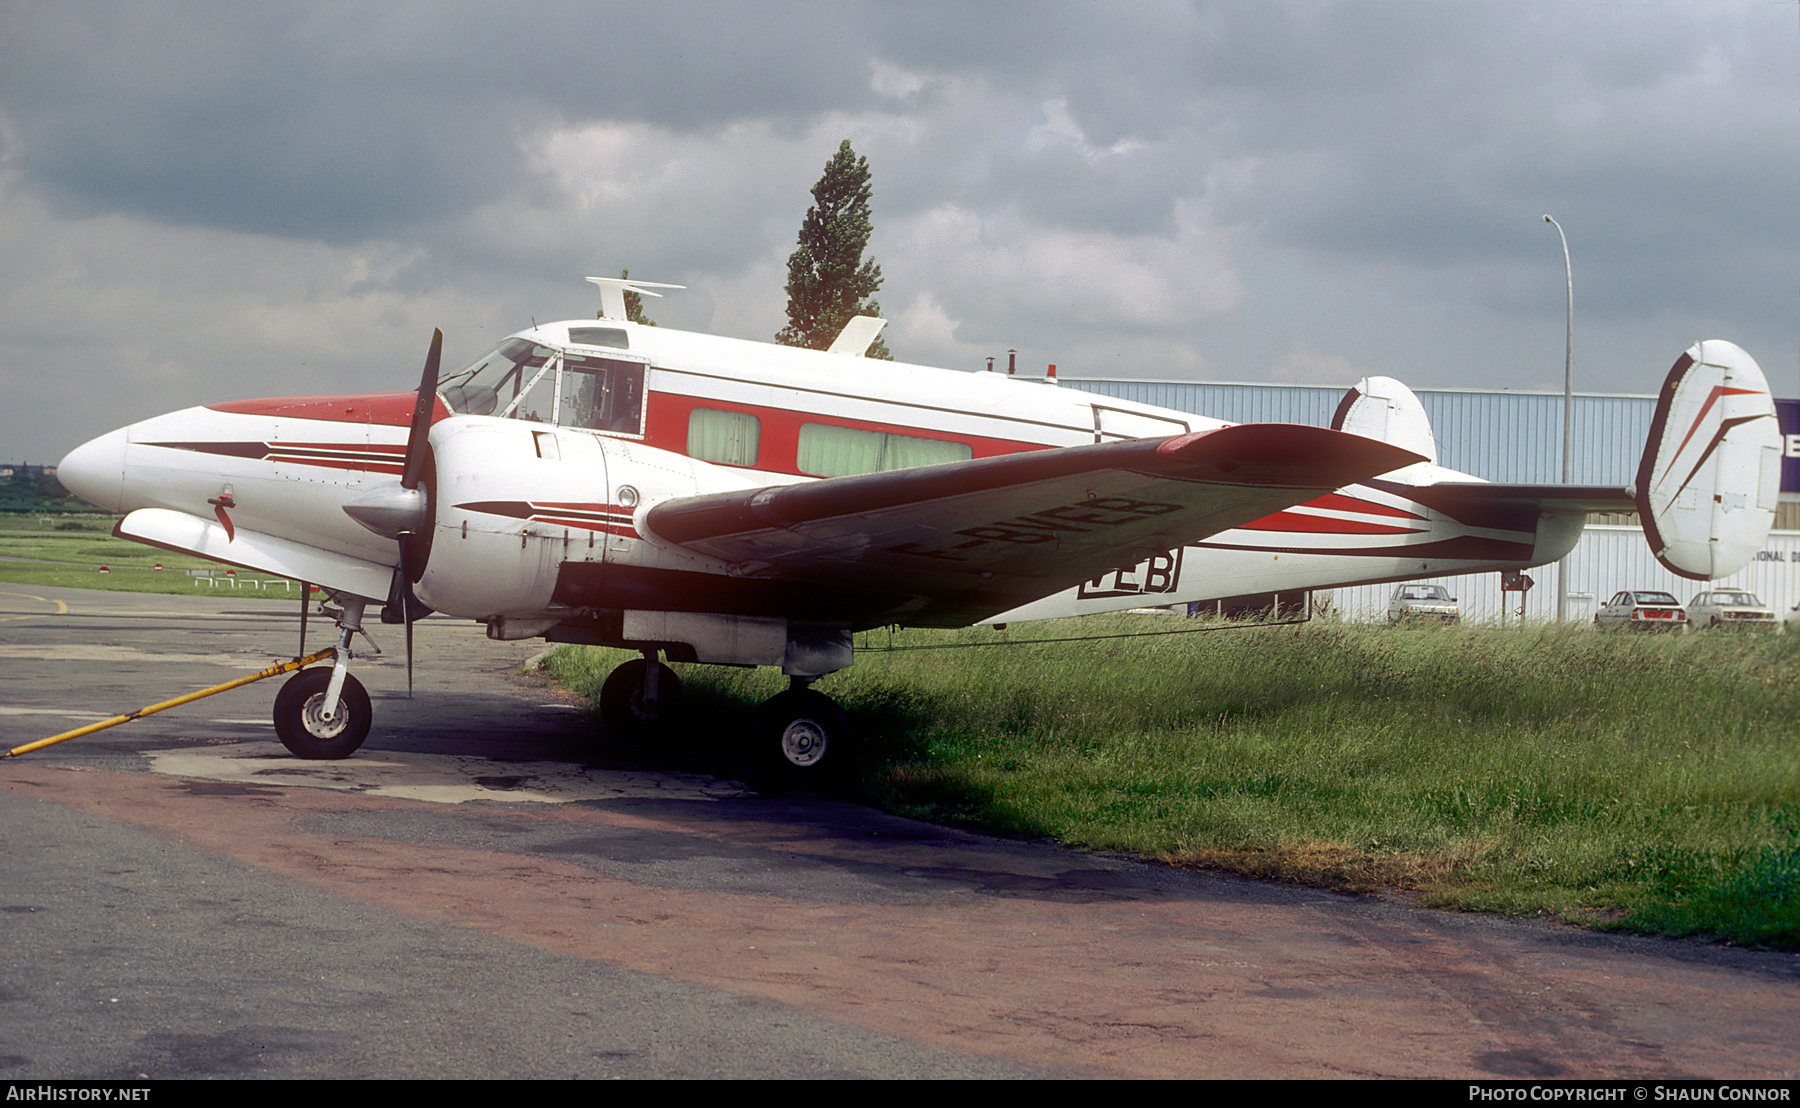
pixel 68 551
pixel 1643 783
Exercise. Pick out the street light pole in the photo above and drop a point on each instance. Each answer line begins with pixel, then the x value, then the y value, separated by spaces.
pixel 1562 575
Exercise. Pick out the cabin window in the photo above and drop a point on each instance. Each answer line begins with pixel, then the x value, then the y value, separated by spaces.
pixel 602 394
pixel 729 438
pixel 827 451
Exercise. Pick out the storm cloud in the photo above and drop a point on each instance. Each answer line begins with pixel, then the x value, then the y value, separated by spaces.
pixel 204 201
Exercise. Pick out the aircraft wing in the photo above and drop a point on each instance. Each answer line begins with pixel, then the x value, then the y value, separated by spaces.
pixel 951 544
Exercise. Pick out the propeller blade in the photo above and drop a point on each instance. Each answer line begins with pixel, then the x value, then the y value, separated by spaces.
pixel 402 606
pixel 421 418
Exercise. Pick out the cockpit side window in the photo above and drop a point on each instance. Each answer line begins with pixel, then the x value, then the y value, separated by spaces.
pixel 602 394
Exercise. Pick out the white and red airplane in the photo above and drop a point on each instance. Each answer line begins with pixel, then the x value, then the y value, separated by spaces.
pixel 713 500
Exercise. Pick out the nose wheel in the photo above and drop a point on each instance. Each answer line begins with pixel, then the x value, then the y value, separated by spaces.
pixel 325 713
pixel 306 730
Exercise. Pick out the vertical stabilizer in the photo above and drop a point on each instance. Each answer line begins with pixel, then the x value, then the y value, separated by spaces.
pixel 1711 472
pixel 1383 408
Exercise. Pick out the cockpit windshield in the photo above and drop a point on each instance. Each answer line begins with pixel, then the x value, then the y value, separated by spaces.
pixel 521 379
pixel 494 383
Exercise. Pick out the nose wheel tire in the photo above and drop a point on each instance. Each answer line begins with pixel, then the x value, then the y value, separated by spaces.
pixel 626 705
pixel 803 735
pixel 300 716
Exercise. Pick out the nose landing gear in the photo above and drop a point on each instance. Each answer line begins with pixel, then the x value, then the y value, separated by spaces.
pixel 325 713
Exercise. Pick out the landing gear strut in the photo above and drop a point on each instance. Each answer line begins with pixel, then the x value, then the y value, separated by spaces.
pixel 325 713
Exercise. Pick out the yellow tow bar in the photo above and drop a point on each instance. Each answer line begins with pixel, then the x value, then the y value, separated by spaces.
pixel 272 671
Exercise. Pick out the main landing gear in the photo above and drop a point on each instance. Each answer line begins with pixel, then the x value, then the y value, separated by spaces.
pixel 641 695
pixel 801 734
pixel 325 713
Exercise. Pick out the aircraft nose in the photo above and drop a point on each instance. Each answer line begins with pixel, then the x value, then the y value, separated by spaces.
pixel 95 471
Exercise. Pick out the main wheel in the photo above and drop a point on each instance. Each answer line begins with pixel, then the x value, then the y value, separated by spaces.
pixel 300 720
pixel 625 705
pixel 803 735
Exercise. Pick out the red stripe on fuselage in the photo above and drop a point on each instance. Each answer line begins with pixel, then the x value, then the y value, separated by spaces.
pixel 1338 502
pixel 1325 525
pixel 388 409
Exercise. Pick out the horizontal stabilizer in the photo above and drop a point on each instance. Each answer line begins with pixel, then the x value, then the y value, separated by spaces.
pixel 1711 470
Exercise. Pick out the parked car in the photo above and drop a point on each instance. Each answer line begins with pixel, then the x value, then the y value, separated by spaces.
pixel 1422 603
pixel 1645 609
pixel 1729 608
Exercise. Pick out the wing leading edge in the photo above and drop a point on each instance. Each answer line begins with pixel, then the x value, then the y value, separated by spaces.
pixel 951 544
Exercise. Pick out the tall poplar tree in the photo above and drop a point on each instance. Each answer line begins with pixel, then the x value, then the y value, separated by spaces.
pixel 828 280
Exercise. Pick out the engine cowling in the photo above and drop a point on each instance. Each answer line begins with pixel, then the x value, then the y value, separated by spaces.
pixel 511 501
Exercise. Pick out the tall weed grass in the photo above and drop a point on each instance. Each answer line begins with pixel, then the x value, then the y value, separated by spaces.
pixel 1648 783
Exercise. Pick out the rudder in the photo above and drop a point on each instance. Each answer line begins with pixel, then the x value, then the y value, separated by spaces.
pixel 1708 482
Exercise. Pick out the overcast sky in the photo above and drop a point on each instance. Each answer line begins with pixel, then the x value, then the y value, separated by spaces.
pixel 206 201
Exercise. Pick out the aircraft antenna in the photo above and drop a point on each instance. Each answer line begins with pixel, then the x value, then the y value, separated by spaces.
pixel 613 290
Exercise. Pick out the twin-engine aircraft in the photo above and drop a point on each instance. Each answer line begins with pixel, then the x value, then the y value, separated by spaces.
pixel 712 500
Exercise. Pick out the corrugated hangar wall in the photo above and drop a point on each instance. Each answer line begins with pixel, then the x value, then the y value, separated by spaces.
pixel 1512 436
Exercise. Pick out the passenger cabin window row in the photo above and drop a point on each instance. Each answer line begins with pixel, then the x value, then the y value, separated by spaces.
pixel 827 451
pixel 734 438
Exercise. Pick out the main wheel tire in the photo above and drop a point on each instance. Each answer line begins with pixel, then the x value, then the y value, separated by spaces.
pixel 623 707
pixel 305 731
pixel 803 735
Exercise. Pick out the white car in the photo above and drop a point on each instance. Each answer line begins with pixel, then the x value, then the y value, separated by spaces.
pixel 1729 608
pixel 1427 603
pixel 1642 609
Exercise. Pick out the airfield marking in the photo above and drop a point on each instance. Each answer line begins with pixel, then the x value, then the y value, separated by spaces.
pixel 67 713
pixel 62 609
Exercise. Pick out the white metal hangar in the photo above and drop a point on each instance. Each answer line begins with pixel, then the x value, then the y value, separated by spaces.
pixel 1516 436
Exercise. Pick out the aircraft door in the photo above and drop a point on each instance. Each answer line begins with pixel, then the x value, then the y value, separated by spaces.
pixel 602 394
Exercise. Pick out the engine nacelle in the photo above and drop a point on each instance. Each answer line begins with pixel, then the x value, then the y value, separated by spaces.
pixel 511 501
